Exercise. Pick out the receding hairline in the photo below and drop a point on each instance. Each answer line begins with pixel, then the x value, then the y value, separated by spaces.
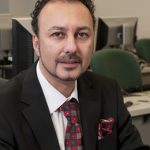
pixel 39 6
pixel 67 1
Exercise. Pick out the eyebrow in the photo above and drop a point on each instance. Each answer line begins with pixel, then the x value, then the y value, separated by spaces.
pixel 64 29
pixel 84 28
pixel 56 28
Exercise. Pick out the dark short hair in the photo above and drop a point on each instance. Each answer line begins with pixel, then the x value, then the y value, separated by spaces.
pixel 41 3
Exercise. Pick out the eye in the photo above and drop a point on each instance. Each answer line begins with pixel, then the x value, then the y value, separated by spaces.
pixel 58 35
pixel 82 35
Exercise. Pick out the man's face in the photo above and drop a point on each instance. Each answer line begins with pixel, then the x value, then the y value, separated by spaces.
pixel 65 41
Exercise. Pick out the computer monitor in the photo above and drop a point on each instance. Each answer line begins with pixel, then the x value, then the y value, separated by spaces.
pixel 5 35
pixel 129 33
pixel 115 32
pixel 23 54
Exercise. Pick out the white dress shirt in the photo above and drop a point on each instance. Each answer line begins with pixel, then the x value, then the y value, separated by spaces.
pixel 54 100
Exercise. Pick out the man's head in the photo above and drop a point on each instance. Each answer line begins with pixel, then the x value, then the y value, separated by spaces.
pixel 41 3
pixel 64 39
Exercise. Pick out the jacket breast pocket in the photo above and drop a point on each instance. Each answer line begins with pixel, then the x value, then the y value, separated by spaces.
pixel 107 143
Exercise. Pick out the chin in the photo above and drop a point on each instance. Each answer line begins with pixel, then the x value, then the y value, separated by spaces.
pixel 69 77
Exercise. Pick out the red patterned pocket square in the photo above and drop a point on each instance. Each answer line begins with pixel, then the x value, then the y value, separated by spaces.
pixel 105 127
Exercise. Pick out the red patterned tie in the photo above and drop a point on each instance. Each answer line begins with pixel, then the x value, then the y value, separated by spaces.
pixel 73 138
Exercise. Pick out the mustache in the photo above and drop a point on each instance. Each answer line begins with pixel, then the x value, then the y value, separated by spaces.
pixel 69 58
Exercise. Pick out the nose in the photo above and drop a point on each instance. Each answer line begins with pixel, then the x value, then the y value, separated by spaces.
pixel 71 44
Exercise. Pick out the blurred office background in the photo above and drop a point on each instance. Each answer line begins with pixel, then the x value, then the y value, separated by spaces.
pixel 104 8
pixel 138 8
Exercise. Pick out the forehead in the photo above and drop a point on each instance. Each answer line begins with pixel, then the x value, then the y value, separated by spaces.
pixel 63 12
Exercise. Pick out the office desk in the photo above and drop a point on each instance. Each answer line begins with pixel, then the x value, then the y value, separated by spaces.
pixel 146 76
pixel 141 103
pixel 140 112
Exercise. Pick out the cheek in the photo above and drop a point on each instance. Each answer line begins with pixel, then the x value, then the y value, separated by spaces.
pixel 48 49
pixel 86 57
pixel 87 53
pixel 46 54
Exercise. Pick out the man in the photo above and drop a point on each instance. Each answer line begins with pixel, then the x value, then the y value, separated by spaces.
pixel 30 114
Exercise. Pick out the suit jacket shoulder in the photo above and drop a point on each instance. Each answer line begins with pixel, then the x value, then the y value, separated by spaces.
pixel 99 83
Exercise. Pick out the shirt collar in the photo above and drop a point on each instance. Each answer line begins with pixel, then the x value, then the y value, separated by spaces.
pixel 53 97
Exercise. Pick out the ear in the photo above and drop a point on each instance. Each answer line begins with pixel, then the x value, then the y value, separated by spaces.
pixel 36 44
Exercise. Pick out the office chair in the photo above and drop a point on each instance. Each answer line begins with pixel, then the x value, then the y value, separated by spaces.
pixel 120 65
pixel 142 47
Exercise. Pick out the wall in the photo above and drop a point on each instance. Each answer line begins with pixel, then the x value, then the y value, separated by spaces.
pixel 21 7
pixel 4 6
pixel 17 7
pixel 138 8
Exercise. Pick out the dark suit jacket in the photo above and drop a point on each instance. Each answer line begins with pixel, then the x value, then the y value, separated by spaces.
pixel 25 122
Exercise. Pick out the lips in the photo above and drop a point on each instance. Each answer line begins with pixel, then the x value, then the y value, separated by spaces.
pixel 71 64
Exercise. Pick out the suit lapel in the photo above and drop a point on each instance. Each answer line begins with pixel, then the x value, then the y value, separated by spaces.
pixel 90 108
pixel 37 113
pixel 38 117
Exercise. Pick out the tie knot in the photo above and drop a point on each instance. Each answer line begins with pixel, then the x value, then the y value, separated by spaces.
pixel 70 110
